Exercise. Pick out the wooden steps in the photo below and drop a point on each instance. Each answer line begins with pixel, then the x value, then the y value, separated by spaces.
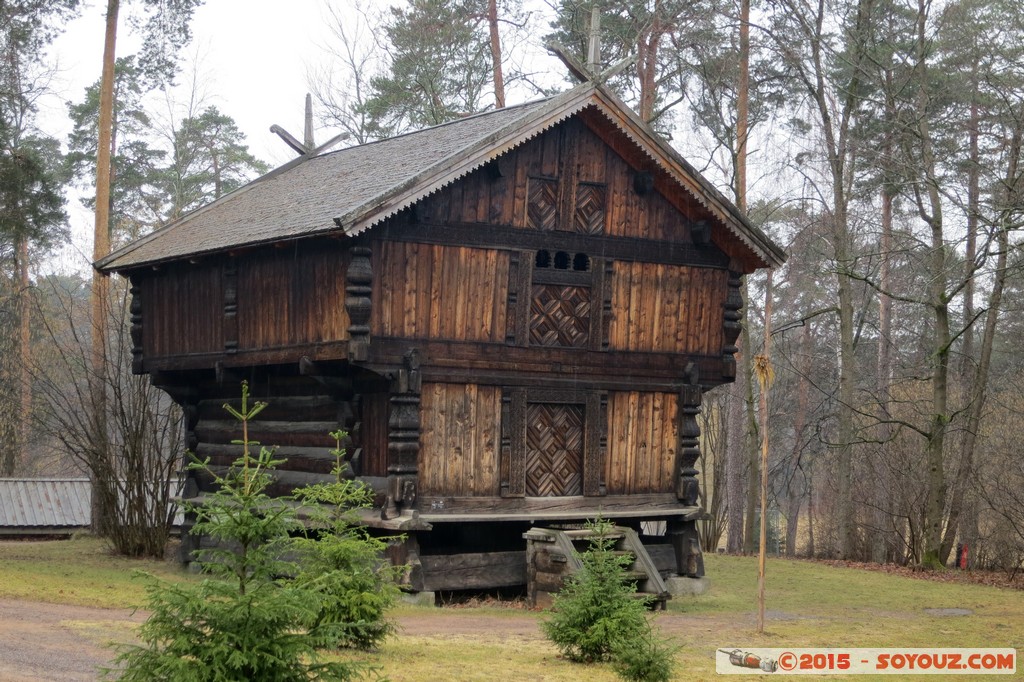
pixel 552 555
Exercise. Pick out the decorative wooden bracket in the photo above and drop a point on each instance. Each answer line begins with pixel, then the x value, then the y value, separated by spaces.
pixel 230 282
pixel 732 325
pixel 135 310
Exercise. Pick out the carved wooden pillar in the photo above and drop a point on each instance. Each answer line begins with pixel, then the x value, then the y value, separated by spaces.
pixel 683 533
pixel 230 281
pixel 135 310
pixel 403 438
pixel 687 487
pixel 357 302
pixel 732 325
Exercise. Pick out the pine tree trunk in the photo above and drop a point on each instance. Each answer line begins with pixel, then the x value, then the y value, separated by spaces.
pixel 796 492
pixel 100 293
pixel 734 467
pixel 24 352
pixel 882 489
pixel 963 504
pixel 499 77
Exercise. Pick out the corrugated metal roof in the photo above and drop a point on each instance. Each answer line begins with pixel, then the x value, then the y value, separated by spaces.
pixel 45 502
pixel 349 190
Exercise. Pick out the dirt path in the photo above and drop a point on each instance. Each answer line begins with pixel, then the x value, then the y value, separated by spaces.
pixel 57 643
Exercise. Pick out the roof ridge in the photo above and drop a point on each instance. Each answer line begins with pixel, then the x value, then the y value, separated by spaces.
pixel 454 121
pixel 352 189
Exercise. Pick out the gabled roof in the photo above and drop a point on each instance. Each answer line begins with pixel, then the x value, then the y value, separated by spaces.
pixel 353 189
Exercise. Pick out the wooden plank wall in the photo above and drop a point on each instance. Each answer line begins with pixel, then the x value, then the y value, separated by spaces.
pixel 288 297
pixel 483 198
pixel 284 298
pixel 183 309
pixel 459 440
pixel 440 292
pixel 373 434
pixel 643 436
pixel 667 308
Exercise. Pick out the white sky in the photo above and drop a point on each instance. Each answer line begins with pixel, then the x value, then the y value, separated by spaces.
pixel 251 57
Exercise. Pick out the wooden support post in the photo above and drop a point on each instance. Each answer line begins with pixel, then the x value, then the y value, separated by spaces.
pixel 403 438
pixel 358 304
pixel 683 534
pixel 686 544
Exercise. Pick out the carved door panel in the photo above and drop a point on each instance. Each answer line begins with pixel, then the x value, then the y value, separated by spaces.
pixel 554 450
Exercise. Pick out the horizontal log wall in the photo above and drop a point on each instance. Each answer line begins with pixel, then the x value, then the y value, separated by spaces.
pixel 183 306
pixel 295 423
pixel 440 292
pixel 288 297
pixel 459 440
pixel 643 438
pixel 666 308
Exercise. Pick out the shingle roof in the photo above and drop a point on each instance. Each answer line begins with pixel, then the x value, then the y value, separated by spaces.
pixel 352 189
pixel 44 503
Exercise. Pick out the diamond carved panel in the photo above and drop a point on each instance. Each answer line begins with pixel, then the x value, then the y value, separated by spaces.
pixel 542 204
pixel 554 450
pixel 590 209
pixel 560 316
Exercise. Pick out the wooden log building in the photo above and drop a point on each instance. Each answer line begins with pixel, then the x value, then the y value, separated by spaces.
pixel 514 315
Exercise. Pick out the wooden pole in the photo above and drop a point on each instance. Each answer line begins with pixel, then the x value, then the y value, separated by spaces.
pixel 307 131
pixel 594 43
pixel 499 77
pixel 765 374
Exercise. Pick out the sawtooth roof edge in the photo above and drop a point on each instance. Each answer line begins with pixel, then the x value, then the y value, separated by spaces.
pixel 728 212
pixel 127 249
pixel 535 118
pixel 113 261
pixel 443 173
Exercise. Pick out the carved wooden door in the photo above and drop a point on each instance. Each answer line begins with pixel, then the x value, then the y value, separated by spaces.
pixel 554 450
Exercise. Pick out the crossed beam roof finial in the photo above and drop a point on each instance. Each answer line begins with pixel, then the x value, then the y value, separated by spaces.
pixel 307 147
pixel 589 71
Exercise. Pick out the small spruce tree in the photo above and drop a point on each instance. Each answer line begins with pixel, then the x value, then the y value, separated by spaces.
pixel 341 559
pixel 249 619
pixel 598 617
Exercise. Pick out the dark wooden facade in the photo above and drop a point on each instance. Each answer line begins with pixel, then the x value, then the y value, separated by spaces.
pixel 527 343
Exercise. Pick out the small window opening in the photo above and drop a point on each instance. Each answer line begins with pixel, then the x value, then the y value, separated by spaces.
pixel 543 259
pixel 562 260
pixel 580 262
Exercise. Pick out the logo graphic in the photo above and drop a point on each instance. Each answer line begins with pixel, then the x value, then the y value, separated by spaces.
pixel 745 659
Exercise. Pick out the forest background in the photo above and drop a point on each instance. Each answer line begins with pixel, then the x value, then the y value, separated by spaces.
pixel 878 141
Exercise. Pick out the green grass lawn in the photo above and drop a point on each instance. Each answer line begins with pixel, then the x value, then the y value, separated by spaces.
pixel 80 572
pixel 810 605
